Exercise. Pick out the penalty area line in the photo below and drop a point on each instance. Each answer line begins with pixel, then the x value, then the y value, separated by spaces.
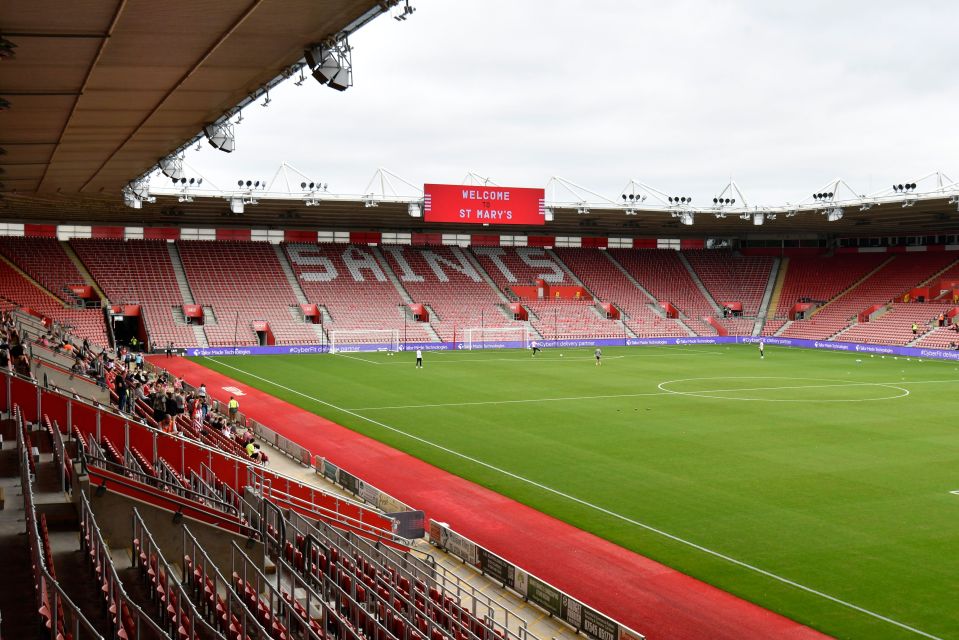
pixel 580 501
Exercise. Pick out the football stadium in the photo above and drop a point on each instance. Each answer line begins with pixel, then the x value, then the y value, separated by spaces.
pixel 442 408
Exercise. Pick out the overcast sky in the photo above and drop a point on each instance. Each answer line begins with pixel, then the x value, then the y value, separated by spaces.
pixel 682 95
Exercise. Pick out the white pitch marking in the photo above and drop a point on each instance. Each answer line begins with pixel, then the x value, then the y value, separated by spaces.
pixel 590 505
pixel 346 355
pixel 698 394
pixel 663 392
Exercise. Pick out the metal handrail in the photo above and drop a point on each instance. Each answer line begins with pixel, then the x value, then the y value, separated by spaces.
pixel 143 538
pixel 252 575
pixel 208 570
pixel 58 601
pixel 101 556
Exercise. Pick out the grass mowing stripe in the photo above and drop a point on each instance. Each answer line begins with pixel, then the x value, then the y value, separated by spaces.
pixel 650 528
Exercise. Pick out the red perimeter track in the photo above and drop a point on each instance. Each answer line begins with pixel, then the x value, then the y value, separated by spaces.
pixel 651 598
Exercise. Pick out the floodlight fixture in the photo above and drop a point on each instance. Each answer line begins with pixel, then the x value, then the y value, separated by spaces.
pixel 221 136
pixel 331 63
pixel 405 12
pixel 172 167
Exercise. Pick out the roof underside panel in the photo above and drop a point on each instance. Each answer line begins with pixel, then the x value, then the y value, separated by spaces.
pixel 102 89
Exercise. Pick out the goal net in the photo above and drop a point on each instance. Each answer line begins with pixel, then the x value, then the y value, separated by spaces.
pixel 496 338
pixel 364 340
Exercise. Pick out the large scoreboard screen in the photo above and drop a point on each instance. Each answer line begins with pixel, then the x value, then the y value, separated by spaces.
pixel 483 204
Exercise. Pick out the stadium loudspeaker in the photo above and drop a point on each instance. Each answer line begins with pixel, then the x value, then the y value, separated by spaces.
pixel 315 55
pixel 221 137
pixel 342 80
pixel 327 69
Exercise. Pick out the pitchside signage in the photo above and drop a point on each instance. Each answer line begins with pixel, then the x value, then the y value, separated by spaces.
pixel 870 349
pixel 483 204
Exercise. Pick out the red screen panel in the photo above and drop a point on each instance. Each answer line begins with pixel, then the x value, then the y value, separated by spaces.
pixel 483 204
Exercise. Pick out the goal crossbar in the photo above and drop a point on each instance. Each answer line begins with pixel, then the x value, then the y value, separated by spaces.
pixel 516 337
pixel 368 339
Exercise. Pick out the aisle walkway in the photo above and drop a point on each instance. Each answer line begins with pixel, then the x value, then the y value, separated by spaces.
pixel 647 596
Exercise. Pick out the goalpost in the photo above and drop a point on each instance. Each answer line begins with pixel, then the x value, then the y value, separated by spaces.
pixel 516 337
pixel 370 339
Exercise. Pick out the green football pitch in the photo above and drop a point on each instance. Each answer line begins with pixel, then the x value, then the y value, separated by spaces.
pixel 816 484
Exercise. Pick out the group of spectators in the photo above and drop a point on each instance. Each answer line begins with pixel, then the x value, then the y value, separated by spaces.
pixel 13 355
pixel 166 397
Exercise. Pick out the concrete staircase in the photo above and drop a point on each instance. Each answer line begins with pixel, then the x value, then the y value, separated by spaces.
pixel 569 272
pixel 632 280
pixel 404 294
pixel 290 276
pixel 766 302
pixel 82 268
pixel 699 283
pixel 294 283
pixel 781 330
pixel 187 294
pixel 469 257
pixel 855 284
pixel 777 289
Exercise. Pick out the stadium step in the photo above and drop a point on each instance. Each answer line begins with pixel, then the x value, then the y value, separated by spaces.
pixel 777 288
pixel 931 278
pixel 18 621
pixel 572 276
pixel 87 277
pixel 471 258
pixel 200 336
pixel 771 283
pixel 388 271
pixel 185 292
pixel 290 276
pixel 855 284
pixel 699 283
pixel 634 282
pixel 783 328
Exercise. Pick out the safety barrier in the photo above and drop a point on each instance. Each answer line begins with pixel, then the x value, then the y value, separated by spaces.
pixel 171 598
pixel 125 613
pixel 62 620
pixel 538 592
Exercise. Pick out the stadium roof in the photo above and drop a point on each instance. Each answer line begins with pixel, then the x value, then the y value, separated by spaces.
pixel 100 90
pixel 928 217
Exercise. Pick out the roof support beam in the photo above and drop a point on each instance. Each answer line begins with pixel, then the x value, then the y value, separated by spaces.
pixel 186 76
pixel 121 5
